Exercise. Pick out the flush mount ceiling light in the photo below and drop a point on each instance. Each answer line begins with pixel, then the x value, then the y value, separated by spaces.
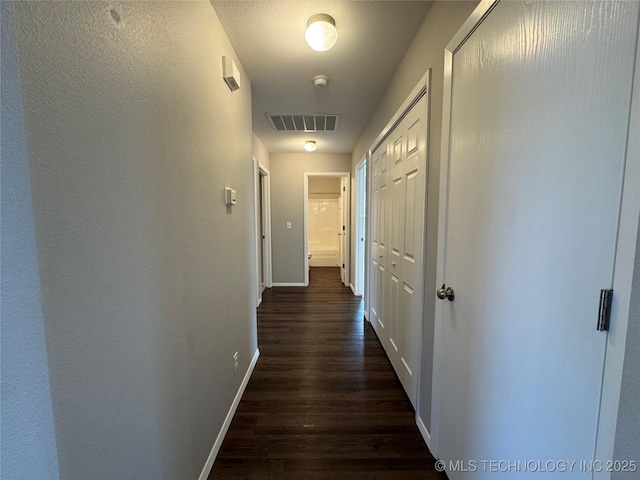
pixel 310 145
pixel 321 33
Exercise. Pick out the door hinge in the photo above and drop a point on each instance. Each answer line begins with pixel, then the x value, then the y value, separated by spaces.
pixel 604 311
pixel 344 189
pixel 343 265
pixel 343 228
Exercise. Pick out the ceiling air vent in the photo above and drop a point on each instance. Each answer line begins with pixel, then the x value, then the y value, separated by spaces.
pixel 304 122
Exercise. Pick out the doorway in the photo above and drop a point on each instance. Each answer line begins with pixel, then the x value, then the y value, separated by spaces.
pixel 262 190
pixel 326 209
pixel 361 221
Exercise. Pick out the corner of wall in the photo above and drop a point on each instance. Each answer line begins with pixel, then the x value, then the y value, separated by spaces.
pixel 28 431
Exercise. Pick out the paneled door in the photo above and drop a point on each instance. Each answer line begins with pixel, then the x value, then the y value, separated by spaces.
pixel 539 110
pixel 407 168
pixel 379 233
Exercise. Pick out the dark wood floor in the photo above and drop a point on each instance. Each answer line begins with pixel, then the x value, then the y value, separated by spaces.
pixel 323 401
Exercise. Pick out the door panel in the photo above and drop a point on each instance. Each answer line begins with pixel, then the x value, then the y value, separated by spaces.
pixel 405 264
pixel 411 265
pixel 377 299
pixel 539 113
pixel 396 145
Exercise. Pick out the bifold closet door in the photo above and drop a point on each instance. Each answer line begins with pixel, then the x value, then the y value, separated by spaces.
pixel 397 280
pixel 407 165
pixel 378 290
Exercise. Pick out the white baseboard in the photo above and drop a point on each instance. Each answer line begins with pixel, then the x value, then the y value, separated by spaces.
pixel 423 431
pixel 302 284
pixel 353 290
pixel 227 421
pixel 366 316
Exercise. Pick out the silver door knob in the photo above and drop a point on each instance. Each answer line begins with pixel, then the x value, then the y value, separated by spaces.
pixel 445 292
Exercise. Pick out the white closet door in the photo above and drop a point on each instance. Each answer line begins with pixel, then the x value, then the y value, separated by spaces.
pixel 407 164
pixel 378 290
pixel 539 120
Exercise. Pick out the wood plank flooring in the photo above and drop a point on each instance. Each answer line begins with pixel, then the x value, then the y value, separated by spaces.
pixel 323 401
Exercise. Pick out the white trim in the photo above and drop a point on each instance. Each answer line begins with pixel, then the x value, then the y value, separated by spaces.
pixel 353 290
pixel 423 430
pixel 346 206
pixel 261 174
pixel 424 81
pixel 227 421
pixel 266 205
pixel 469 26
pixel 622 283
pixel 301 284
pixel 256 226
pixel 367 230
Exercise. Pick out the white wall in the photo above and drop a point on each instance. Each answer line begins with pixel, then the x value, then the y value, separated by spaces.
pixel 320 185
pixel 260 152
pixel 147 278
pixel 287 205
pixel 426 51
pixel 28 447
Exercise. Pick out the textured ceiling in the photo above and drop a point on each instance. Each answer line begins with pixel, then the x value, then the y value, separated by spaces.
pixel 268 37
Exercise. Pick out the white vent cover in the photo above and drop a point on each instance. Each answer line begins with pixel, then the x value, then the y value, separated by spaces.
pixel 304 122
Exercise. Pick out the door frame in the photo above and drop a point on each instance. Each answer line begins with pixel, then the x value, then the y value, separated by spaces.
pixel 262 175
pixel 344 216
pixel 622 283
pixel 360 223
pixel 623 267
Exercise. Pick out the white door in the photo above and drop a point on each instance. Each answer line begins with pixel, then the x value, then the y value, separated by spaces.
pixel 539 118
pixel 377 282
pixel 407 165
pixel 361 212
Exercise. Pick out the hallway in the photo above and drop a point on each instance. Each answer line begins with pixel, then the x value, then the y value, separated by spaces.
pixel 323 401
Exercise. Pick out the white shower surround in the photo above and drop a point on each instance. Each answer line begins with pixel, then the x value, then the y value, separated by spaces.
pixel 324 230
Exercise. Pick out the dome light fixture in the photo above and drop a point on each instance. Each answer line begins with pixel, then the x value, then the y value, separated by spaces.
pixel 321 33
pixel 310 145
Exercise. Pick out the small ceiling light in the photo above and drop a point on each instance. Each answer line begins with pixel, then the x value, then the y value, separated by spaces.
pixel 310 145
pixel 321 32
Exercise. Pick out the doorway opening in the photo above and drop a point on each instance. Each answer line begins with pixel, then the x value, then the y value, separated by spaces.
pixel 326 221
pixel 262 190
pixel 361 222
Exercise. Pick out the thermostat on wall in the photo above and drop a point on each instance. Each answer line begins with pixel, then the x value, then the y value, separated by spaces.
pixel 230 196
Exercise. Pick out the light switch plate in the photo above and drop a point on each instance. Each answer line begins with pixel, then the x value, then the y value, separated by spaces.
pixel 230 196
